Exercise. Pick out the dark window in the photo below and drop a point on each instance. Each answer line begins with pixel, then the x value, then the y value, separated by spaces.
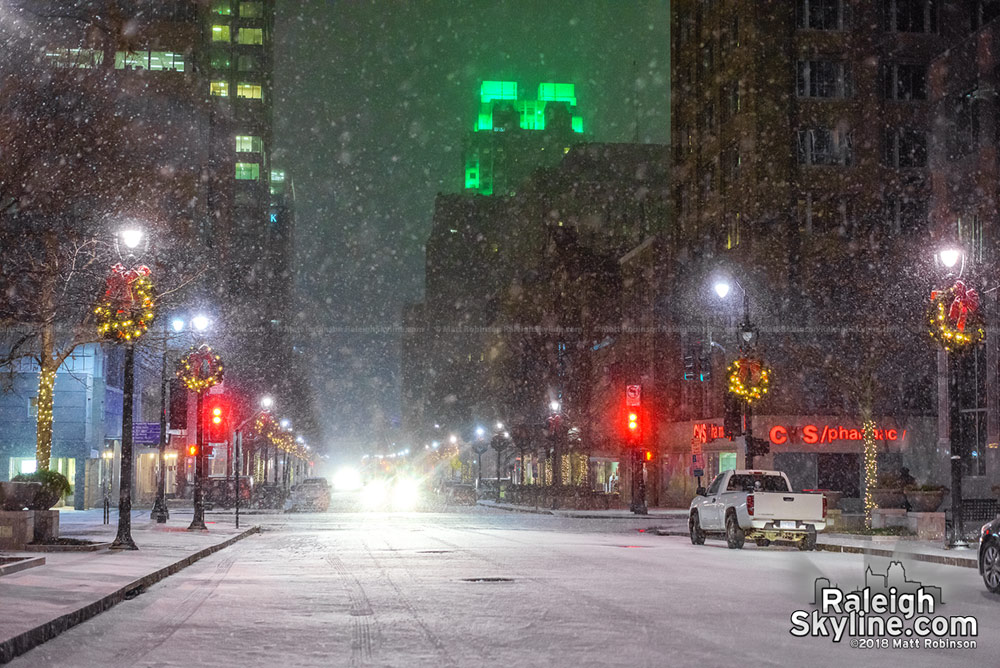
pixel 966 125
pixel 746 482
pixel 822 146
pixel 821 78
pixel 905 81
pixel 906 214
pixel 821 14
pixel 987 10
pixel 905 148
pixel 912 16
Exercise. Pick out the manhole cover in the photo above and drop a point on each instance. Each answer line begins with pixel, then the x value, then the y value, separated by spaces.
pixel 487 580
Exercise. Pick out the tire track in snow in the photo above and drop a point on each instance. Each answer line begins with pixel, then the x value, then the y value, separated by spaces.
pixel 364 638
pixel 170 620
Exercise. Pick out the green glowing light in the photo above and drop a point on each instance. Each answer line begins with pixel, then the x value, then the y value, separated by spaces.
pixel 557 92
pixel 485 121
pixel 577 124
pixel 498 90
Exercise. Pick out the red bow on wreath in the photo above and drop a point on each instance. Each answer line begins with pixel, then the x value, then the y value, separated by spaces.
pixel 966 302
pixel 119 285
pixel 749 370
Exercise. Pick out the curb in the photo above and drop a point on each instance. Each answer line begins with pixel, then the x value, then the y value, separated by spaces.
pixel 962 562
pixel 570 513
pixel 20 565
pixel 21 643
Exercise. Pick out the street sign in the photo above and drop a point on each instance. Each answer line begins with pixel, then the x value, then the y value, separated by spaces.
pixel 699 473
pixel 696 448
pixel 146 433
pixel 479 447
pixel 633 395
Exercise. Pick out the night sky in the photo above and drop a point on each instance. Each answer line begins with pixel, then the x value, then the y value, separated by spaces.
pixel 372 102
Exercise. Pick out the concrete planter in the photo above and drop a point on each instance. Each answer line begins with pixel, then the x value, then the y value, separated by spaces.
pixel 925 501
pixel 18 495
pixel 889 498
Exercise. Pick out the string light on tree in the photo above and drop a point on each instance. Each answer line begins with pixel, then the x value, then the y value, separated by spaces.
pixel 46 384
pixel 871 468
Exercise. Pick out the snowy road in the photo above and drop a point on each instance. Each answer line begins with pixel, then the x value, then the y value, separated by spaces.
pixel 357 589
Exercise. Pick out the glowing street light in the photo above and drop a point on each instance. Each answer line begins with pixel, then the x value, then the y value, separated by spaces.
pixel 499 426
pixel 722 289
pixel 950 257
pixel 554 406
pixel 200 322
pixel 266 402
pixel 285 423
pixel 131 238
pixel 480 431
pixel 177 324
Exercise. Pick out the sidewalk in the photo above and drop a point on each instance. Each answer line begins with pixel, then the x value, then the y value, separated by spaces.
pixel 891 546
pixel 40 603
pixel 620 514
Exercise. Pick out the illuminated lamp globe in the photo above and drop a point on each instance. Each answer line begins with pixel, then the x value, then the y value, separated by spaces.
pixel 950 257
pixel 131 238
pixel 722 289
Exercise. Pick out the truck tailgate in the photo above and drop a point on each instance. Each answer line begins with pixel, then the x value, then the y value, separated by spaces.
pixel 787 506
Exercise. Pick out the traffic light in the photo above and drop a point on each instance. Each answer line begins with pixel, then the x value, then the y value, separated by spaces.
pixel 217 421
pixel 192 450
pixel 647 455
pixel 632 424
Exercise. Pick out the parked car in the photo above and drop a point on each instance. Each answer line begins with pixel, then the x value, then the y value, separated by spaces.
pixel 756 505
pixel 989 555
pixel 312 494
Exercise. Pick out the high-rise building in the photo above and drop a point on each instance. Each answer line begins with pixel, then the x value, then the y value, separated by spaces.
pixel 513 135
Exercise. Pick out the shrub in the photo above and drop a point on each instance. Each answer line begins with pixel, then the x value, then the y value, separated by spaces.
pixel 55 483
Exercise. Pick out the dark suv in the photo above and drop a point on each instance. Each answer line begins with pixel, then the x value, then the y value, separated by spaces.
pixel 989 555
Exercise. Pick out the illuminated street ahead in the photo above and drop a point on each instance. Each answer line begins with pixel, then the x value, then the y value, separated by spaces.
pixel 417 589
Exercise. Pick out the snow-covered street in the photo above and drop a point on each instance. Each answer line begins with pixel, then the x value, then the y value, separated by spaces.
pixel 483 587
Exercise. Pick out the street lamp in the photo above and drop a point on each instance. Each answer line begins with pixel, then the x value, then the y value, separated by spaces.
pixel 130 238
pixel 949 257
pixel 161 512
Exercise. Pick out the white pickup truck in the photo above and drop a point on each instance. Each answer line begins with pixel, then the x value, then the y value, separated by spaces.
pixel 756 505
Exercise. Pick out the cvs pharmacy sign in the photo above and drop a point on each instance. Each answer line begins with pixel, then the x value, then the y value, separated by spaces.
pixel 812 433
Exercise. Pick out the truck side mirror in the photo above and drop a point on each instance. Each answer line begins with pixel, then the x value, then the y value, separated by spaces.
pixel 701 491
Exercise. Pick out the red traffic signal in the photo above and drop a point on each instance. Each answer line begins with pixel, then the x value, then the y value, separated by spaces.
pixel 217 420
pixel 632 427
pixel 647 455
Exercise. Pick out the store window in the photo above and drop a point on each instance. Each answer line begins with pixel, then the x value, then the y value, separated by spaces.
pixel 249 91
pixel 251 36
pixel 247 171
pixel 219 88
pixel 220 33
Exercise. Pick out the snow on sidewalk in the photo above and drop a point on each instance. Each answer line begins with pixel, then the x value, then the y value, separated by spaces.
pixel 39 603
pixel 888 546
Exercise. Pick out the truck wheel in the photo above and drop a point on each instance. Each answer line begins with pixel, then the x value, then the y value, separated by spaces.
pixel 762 542
pixel 697 535
pixel 808 543
pixel 734 534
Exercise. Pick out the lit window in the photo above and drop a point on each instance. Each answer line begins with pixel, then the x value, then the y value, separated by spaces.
pixel 220 34
pixel 277 175
pixel 577 124
pixel 557 92
pixel 251 91
pixel 220 88
pixel 248 144
pixel 247 171
pixel 251 36
pixel 223 7
pixel 498 90
pixel 166 60
pixel 251 10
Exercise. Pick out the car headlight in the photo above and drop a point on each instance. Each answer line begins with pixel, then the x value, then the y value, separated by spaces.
pixel 347 479
pixel 405 493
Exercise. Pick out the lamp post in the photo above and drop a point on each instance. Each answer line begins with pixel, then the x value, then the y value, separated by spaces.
pixel 131 239
pixel 950 257
pixel 747 335
pixel 200 369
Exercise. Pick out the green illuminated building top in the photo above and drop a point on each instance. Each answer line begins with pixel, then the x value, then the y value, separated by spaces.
pixel 513 135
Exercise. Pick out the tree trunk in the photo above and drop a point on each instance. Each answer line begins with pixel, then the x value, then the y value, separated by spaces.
pixel 47 366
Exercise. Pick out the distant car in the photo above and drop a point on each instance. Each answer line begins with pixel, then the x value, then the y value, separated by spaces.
pixel 989 555
pixel 312 494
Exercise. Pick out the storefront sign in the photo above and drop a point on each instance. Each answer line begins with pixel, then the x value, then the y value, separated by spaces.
pixel 146 433
pixel 704 432
pixel 812 433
